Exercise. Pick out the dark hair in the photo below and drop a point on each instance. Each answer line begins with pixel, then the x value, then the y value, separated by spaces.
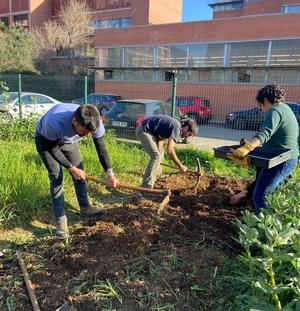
pixel 88 117
pixel 272 92
pixel 192 125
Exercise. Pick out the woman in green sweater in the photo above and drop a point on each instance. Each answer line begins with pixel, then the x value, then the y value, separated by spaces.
pixel 279 131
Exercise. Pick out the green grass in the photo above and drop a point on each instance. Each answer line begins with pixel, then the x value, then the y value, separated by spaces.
pixel 24 185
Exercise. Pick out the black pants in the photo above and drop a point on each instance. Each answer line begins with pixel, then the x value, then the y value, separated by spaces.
pixel 55 173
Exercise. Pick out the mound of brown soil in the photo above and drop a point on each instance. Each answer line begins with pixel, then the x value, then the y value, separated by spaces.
pixel 151 261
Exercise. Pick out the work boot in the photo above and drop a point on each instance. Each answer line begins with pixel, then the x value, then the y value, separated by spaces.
pixel 91 211
pixel 62 229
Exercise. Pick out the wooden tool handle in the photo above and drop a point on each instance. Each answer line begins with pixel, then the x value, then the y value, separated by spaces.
pixel 177 168
pixel 126 186
pixel 28 283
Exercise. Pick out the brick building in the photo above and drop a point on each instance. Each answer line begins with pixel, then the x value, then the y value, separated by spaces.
pixel 248 43
pixel 105 13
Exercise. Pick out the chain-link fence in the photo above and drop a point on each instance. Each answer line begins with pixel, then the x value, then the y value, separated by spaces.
pixel 225 112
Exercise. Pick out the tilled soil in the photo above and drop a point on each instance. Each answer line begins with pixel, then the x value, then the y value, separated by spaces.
pixel 134 259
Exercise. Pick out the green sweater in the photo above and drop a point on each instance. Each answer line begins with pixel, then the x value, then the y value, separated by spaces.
pixel 280 129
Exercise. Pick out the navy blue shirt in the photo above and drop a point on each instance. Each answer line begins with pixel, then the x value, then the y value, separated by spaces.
pixel 162 127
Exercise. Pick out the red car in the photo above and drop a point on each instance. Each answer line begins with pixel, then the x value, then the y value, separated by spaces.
pixel 197 108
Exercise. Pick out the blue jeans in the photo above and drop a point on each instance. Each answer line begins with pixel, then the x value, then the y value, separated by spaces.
pixel 55 173
pixel 268 180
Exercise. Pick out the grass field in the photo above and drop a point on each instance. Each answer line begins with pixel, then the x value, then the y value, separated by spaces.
pixel 155 263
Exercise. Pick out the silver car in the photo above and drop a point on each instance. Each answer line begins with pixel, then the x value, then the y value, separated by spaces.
pixel 32 104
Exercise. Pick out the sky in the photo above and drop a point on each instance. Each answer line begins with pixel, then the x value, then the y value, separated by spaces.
pixel 196 10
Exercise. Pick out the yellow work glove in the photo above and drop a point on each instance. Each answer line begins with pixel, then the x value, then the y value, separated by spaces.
pixel 242 151
pixel 245 161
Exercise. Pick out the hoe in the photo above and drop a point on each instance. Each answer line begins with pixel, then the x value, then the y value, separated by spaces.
pixel 165 192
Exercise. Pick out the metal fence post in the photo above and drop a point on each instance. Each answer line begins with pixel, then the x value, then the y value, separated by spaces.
pixel 85 90
pixel 174 85
pixel 19 95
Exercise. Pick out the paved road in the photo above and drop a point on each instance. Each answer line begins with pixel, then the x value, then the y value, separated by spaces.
pixel 214 135
pixel 210 136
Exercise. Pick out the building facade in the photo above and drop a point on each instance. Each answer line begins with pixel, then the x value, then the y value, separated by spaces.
pixel 239 8
pixel 225 59
pixel 105 13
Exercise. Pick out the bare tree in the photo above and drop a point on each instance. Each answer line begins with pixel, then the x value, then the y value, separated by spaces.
pixel 62 36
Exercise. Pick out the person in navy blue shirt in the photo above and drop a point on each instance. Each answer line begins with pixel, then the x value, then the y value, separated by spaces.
pixel 57 135
pixel 152 133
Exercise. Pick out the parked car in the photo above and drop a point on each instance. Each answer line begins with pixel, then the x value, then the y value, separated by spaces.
pixel 252 119
pixel 126 115
pixel 196 108
pixel 103 101
pixel 32 104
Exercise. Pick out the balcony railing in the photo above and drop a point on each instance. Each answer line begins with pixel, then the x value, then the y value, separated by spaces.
pixel 217 2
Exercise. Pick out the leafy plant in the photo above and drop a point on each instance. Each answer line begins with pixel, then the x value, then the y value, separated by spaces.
pixel 272 249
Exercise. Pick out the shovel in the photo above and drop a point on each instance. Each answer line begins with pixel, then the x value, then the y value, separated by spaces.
pixel 166 192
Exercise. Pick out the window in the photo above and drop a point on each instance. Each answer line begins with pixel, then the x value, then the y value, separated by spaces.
pixel 111 23
pixel 108 74
pixel 285 53
pixel 290 9
pixel 169 75
pixel 206 55
pixel 21 20
pixel 172 56
pixel 183 102
pixel 43 100
pixel 5 20
pixel 29 99
pixel 248 54
pixel 139 56
pixel 228 7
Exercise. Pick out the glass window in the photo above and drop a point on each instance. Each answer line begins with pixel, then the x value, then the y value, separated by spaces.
pixel 29 99
pixel 44 100
pixel 125 22
pixel 109 57
pixel 139 57
pixel 206 55
pixel 231 76
pixel 217 76
pixel 290 9
pixel 153 109
pixel 193 76
pixel 228 7
pixel 204 76
pixel 21 20
pixel 114 23
pixel 257 76
pixel 108 74
pixel 172 56
pixel 248 54
pixel 4 20
pixel 135 109
pixel 274 76
pixel 285 53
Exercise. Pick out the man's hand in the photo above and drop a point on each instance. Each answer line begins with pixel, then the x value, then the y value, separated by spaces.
pixel 113 181
pixel 77 173
pixel 183 168
pixel 245 161
pixel 242 151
